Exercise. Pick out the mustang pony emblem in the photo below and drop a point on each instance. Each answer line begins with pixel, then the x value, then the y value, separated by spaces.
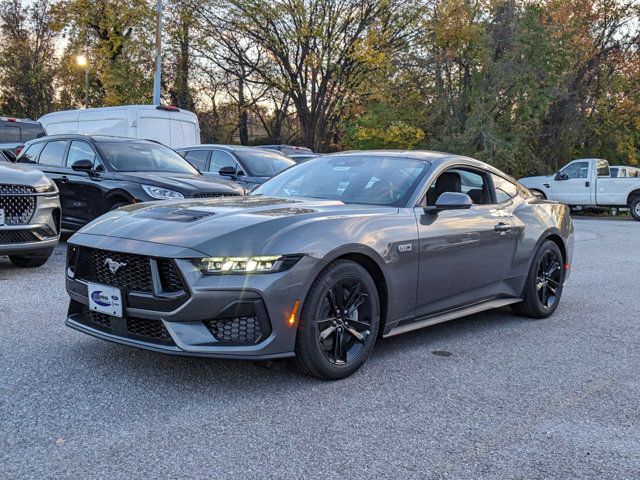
pixel 113 265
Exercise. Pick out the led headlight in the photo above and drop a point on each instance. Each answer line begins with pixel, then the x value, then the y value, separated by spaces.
pixel 161 193
pixel 48 186
pixel 259 264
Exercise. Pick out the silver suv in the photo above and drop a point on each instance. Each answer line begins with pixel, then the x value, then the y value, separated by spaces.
pixel 29 215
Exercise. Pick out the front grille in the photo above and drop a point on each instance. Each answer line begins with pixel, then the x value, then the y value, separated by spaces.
pixel 245 330
pixel 148 329
pixel 17 203
pixel 152 331
pixel 214 195
pixel 16 236
pixel 134 273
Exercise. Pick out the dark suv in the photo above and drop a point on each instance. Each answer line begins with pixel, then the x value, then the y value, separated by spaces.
pixel 15 132
pixel 96 174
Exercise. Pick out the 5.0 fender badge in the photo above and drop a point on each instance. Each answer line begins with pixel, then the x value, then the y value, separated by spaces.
pixel 406 247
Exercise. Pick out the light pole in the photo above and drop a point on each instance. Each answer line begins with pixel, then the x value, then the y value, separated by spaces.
pixel 82 61
pixel 158 73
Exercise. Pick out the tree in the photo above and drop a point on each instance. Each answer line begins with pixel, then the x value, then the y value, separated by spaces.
pixel 27 68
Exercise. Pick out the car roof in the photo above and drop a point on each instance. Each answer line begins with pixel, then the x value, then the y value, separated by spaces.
pixel 228 148
pixel 95 138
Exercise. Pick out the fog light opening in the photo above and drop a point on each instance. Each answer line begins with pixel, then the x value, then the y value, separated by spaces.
pixel 291 321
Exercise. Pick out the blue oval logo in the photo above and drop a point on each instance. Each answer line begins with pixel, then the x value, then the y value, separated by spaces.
pixel 100 299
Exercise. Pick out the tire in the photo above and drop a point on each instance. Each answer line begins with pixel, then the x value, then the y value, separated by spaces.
pixel 117 205
pixel 29 262
pixel 543 287
pixel 635 208
pixel 340 352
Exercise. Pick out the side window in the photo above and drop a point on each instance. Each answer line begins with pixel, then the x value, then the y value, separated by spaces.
pixel 9 133
pixel 197 158
pixel 53 153
pixel 31 154
pixel 504 189
pixel 603 168
pixel 460 180
pixel 221 159
pixel 576 170
pixel 31 131
pixel 81 151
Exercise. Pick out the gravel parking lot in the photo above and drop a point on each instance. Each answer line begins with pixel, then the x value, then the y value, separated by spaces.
pixel 515 398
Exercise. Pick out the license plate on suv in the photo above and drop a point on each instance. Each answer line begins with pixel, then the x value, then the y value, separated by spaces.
pixel 104 299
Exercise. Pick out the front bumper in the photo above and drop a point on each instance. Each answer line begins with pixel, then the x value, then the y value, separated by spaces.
pixel 222 316
pixel 39 236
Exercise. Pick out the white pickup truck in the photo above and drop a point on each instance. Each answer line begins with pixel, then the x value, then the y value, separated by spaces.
pixel 587 182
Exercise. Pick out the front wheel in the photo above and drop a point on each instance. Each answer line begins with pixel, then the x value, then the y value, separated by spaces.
pixel 543 287
pixel 338 322
pixel 635 208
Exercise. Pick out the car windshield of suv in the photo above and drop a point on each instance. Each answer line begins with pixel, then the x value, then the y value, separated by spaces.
pixel 144 157
pixel 264 163
pixel 351 179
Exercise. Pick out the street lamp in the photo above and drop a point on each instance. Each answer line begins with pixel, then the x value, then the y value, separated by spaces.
pixel 81 61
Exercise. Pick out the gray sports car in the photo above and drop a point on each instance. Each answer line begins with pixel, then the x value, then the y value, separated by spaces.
pixel 320 261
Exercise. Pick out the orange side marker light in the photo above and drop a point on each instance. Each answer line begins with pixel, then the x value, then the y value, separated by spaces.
pixel 292 318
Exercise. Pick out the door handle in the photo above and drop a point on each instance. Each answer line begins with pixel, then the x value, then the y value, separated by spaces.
pixel 503 227
pixel 587 184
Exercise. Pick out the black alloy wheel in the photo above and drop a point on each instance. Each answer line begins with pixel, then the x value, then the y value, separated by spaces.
pixel 345 321
pixel 544 283
pixel 338 322
pixel 549 278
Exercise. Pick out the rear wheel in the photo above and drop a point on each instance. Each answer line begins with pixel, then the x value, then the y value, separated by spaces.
pixel 338 322
pixel 635 208
pixel 543 287
pixel 29 262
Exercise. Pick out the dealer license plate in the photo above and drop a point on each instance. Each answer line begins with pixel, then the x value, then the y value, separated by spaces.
pixel 104 299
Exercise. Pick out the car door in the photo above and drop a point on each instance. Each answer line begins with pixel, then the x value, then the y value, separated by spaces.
pixel 197 158
pixel 463 254
pixel 572 185
pixel 52 162
pixel 85 200
pixel 221 159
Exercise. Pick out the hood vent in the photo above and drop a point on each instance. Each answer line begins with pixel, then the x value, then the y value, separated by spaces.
pixel 173 214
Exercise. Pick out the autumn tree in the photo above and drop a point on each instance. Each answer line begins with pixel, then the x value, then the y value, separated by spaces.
pixel 27 65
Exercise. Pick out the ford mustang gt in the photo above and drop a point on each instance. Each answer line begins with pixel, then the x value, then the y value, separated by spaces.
pixel 320 261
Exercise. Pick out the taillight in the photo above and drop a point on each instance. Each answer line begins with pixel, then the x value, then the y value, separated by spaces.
pixel 19 149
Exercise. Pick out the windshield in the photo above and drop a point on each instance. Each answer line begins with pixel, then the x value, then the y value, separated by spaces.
pixel 351 179
pixel 144 157
pixel 264 163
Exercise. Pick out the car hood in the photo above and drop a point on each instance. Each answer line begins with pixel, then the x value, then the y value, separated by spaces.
pixel 15 173
pixel 251 225
pixel 181 182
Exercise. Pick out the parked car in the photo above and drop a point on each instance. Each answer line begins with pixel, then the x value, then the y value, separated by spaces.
pixel 587 182
pixel 9 154
pixel 623 171
pixel 15 132
pixel 302 157
pixel 246 165
pixel 320 261
pixel 287 149
pixel 29 215
pixel 4 157
pixel 97 174
pixel 168 125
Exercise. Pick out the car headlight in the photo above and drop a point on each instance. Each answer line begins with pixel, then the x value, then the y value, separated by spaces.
pixel 258 264
pixel 161 193
pixel 48 186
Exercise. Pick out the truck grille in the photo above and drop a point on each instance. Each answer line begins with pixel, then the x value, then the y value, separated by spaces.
pixel 18 203
pixel 133 275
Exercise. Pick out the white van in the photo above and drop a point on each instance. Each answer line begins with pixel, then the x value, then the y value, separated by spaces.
pixel 170 126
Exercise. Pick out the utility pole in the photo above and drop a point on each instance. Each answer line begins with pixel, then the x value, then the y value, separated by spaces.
pixel 158 73
pixel 82 61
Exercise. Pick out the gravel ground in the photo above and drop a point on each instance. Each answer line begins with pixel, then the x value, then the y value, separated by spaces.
pixel 516 399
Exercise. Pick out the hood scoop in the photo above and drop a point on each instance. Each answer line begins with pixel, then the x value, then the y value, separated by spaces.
pixel 174 214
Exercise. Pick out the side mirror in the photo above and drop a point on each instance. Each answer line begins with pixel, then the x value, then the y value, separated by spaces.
pixel 451 201
pixel 227 172
pixel 82 166
pixel 561 176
